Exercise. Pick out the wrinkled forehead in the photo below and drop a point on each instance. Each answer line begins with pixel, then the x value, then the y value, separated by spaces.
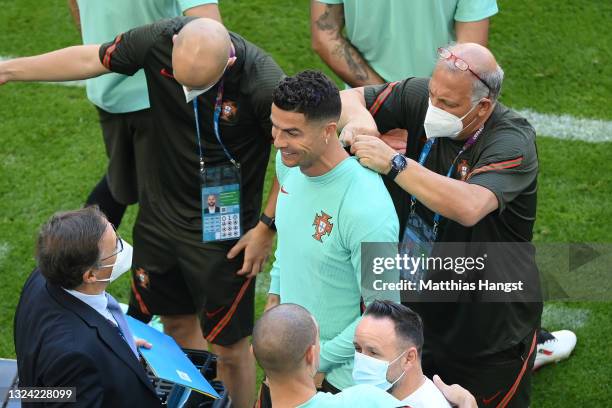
pixel 449 84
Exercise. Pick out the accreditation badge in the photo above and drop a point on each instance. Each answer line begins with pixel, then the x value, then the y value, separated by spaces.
pixel 417 243
pixel 221 208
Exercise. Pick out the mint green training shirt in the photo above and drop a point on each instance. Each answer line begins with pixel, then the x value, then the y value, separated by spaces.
pixel 102 21
pixel 399 38
pixel 321 224
pixel 358 396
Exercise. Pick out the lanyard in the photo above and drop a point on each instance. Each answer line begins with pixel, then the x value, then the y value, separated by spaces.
pixel 216 116
pixel 423 158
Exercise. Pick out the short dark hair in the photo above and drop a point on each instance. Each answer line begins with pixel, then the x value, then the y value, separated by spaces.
pixel 311 93
pixel 281 337
pixel 69 244
pixel 408 324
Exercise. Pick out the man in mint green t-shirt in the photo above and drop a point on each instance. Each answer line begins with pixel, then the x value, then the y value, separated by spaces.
pixel 327 207
pixel 123 101
pixel 389 40
pixel 286 345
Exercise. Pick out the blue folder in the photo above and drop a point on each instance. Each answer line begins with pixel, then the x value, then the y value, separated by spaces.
pixel 167 360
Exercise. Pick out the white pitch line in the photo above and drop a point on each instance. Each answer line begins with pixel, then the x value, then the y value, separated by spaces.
pixel 564 127
pixel 569 127
pixel 557 316
pixel 5 248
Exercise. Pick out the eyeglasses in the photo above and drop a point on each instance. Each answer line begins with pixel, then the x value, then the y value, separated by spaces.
pixel 118 246
pixel 459 63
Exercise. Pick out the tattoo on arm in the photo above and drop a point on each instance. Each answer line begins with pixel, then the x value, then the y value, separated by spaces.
pixel 343 49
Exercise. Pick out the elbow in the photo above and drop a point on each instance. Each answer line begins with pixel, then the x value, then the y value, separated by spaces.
pixel 470 215
pixel 317 44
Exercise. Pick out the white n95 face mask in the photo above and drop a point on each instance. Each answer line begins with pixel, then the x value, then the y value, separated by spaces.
pixel 122 264
pixel 370 370
pixel 440 123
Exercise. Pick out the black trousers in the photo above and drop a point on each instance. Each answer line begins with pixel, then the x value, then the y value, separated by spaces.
pixel 499 380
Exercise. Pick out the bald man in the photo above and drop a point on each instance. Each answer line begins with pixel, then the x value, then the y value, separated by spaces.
pixel 469 176
pixel 195 69
pixel 286 345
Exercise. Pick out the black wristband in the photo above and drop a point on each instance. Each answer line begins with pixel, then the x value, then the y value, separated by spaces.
pixel 269 221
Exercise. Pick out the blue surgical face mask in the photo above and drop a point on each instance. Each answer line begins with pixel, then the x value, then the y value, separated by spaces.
pixel 370 370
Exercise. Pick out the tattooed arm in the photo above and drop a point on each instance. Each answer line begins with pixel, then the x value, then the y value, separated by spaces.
pixel 326 24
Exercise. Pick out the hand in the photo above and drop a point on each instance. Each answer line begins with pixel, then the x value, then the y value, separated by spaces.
pixel 318 379
pixel 397 139
pixel 373 153
pixel 455 394
pixel 257 245
pixel 142 343
pixel 273 300
pixel 350 131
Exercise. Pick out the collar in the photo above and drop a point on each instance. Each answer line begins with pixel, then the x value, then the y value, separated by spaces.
pixel 97 302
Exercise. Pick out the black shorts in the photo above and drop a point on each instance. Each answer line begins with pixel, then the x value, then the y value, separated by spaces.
pixel 127 141
pixel 172 276
pixel 500 380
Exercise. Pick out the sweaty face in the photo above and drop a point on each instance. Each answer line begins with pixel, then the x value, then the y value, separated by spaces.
pixel 300 143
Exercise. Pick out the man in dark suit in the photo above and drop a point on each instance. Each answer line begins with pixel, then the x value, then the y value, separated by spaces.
pixel 68 331
pixel 212 205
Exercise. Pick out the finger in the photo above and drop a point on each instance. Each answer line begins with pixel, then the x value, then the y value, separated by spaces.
pixel 256 269
pixel 246 266
pixel 439 383
pixel 236 249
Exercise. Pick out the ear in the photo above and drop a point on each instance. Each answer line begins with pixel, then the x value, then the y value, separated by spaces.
pixel 174 38
pixel 412 357
pixel 311 355
pixel 331 130
pixel 485 107
pixel 231 62
pixel 89 276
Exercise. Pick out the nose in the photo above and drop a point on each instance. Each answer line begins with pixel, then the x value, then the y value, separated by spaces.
pixel 279 141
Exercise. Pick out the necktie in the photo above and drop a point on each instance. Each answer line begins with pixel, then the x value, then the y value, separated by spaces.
pixel 115 310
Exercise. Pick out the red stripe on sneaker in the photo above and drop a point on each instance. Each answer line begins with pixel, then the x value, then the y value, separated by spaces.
pixel 547 352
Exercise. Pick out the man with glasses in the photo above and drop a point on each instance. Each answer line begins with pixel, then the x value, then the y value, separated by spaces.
pixel 210 93
pixel 69 332
pixel 470 177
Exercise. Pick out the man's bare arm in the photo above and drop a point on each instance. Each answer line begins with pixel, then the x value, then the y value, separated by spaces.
pixel 67 64
pixel 205 10
pixel 473 31
pixel 74 11
pixel 326 23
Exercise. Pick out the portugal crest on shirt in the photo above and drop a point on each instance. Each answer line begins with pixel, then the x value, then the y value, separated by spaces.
pixel 229 112
pixel 322 225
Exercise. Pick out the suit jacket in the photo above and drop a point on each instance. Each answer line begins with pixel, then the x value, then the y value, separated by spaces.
pixel 62 342
pixel 207 211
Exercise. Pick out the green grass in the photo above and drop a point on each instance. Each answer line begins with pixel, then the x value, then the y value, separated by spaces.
pixel 556 57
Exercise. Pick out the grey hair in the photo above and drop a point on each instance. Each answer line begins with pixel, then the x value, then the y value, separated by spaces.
pixel 479 90
pixel 494 79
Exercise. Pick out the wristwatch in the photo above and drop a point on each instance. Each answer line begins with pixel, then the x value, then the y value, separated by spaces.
pixel 269 221
pixel 398 163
